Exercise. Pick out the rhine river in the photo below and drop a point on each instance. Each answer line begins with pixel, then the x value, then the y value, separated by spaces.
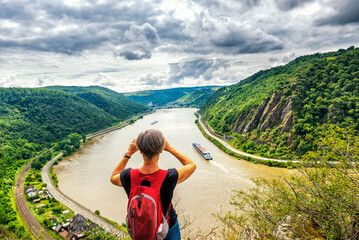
pixel 85 175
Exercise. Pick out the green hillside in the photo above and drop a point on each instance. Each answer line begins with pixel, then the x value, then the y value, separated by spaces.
pixel 110 101
pixel 280 111
pixel 194 99
pixel 31 120
pixel 160 98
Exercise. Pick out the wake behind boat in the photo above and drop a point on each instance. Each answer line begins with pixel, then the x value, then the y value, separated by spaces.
pixel 205 154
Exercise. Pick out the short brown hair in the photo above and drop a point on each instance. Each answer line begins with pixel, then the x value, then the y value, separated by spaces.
pixel 150 142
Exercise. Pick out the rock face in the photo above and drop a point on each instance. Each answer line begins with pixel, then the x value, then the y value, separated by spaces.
pixel 271 104
pixel 272 112
pixel 256 117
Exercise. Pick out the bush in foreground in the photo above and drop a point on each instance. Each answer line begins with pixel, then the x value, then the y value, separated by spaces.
pixel 320 200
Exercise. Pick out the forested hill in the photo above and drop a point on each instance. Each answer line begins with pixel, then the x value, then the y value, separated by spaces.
pixel 280 111
pixel 110 101
pixel 159 98
pixel 45 115
pixel 194 99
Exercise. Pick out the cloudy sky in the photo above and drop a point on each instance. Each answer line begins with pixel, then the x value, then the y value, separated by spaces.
pixel 136 44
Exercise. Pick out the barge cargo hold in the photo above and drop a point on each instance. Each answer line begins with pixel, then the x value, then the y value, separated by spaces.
pixel 204 153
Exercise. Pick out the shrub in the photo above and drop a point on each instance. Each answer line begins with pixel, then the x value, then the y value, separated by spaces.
pixel 321 199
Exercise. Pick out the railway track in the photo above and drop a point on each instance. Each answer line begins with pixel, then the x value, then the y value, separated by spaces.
pixel 34 226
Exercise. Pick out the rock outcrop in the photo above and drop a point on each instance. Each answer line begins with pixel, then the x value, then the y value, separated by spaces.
pixel 276 111
pixel 256 117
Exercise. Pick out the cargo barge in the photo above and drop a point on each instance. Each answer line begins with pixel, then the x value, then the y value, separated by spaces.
pixel 205 154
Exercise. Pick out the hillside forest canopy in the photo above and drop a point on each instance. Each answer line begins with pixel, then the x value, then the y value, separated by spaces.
pixel 34 120
pixel 279 112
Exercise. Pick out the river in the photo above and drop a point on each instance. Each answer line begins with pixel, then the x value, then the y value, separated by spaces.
pixel 85 175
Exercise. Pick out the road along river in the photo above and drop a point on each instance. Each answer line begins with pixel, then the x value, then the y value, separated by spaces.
pixel 85 175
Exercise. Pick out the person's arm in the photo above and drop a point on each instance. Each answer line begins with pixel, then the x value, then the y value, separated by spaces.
pixel 115 177
pixel 188 165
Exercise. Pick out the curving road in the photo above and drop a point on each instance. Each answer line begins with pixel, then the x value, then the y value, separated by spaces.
pixel 72 204
pixel 34 226
pixel 224 143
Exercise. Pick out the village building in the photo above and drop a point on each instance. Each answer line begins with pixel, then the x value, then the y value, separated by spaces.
pixel 75 229
pixel 39 206
pixel 31 191
pixel 35 201
pixel 58 228
pixel 66 212
pixel 78 224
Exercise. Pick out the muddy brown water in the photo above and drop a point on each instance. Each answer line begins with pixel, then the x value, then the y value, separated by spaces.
pixel 85 175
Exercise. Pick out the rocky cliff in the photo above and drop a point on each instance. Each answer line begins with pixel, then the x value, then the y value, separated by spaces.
pixel 276 111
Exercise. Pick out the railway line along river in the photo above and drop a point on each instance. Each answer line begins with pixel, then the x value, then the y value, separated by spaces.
pixel 85 175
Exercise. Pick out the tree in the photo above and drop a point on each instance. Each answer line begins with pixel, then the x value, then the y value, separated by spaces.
pixel 36 164
pixel 57 210
pixel 320 201
pixel 41 211
pixel 75 139
pixel 47 223
pixel 97 212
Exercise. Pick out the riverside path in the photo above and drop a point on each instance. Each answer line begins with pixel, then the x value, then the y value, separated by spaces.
pixel 72 204
pixel 224 143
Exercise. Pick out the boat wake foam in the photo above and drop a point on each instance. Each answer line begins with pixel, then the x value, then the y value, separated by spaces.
pixel 220 166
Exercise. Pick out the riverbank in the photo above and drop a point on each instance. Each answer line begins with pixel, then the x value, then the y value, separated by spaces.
pixel 74 205
pixel 225 147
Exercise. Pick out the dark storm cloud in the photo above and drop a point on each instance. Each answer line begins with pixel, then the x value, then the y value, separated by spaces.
pixel 55 27
pixel 132 55
pixel 195 68
pixel 140 40
pixel 220 7
pixel 345 11
pixel 68 42
pixel 171 29
pixel 241 42
pixel 287 5
pixel 210 34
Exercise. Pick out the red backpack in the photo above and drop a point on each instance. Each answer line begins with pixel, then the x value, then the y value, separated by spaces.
pixel 145 219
